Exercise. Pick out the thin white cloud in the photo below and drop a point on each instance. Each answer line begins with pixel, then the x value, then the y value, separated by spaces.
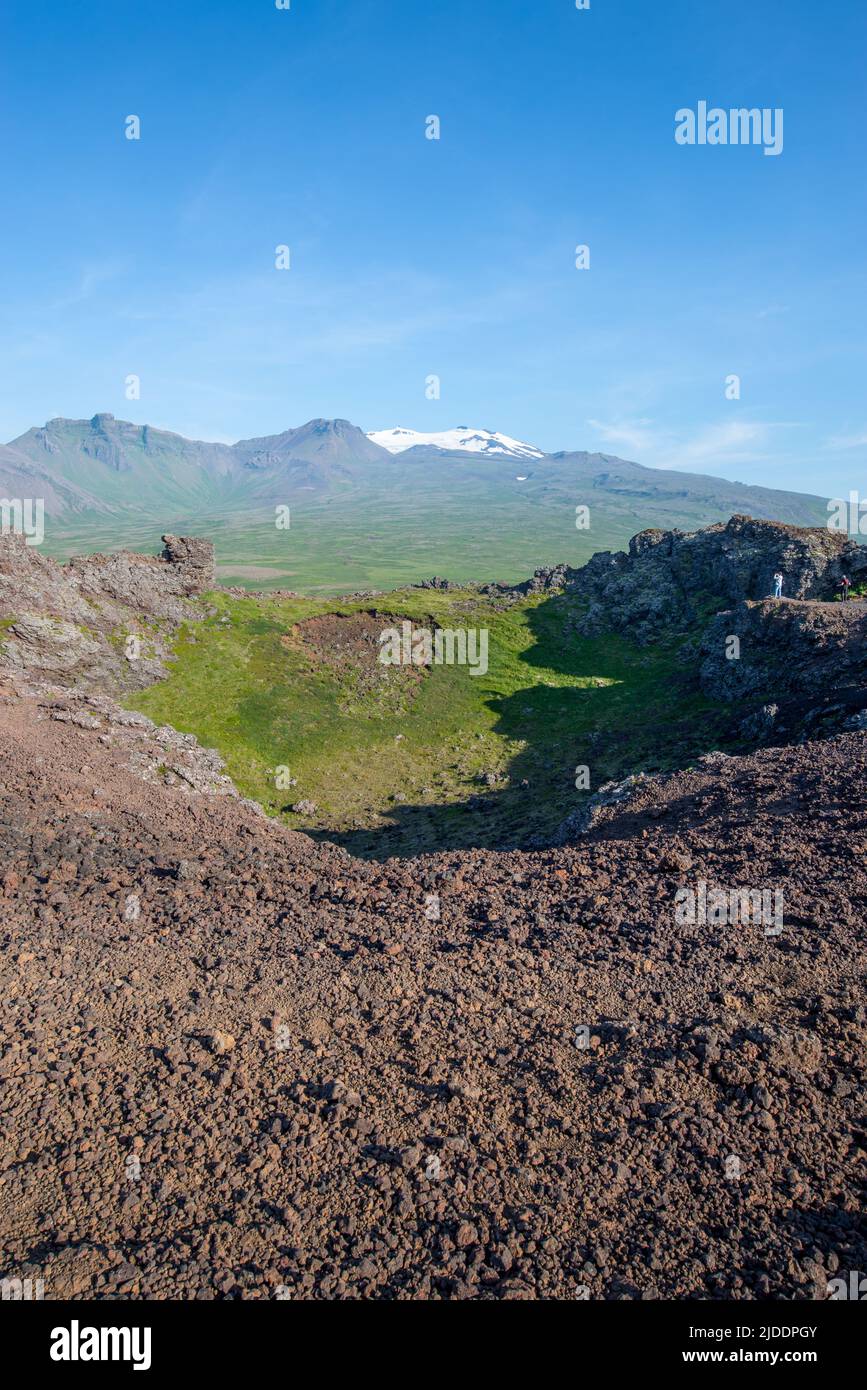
pixel 283 320
pixel 721 444
pixel 635 435
pixel 91 277
pixel 847 441
pixel 735 441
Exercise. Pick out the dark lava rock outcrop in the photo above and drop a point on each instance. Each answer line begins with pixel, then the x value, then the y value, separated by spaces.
pixel 192 561
pixel 805 657
pixel 71 624
pixel 668 580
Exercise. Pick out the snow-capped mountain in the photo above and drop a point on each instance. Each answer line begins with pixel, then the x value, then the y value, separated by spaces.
pixel 462 439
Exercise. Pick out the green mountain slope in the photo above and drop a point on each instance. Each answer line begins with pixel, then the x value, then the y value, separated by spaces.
pixel 361 517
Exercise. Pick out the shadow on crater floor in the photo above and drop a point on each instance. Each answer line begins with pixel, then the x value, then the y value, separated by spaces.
pixel 641 710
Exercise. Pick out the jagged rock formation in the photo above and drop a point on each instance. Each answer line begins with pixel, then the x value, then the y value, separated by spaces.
pixel 151 753
pixel 801 667
pixel 193 561
pixel 669 579
pixel 801 664
pixel 68 624
pixel 65 638
pixel 806 661
pixel 785 649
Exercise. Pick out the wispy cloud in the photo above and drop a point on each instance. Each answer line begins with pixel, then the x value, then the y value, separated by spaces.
pixel 847 441
pixel 720 444
pixel 89 280
pixel 624 434
pixel 734 441
pixel 280 320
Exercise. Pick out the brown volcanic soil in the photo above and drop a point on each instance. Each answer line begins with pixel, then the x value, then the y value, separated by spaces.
pixel 349 644
pixel 239 1091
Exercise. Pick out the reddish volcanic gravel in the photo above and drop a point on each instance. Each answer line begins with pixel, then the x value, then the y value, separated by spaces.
pixel 238 1064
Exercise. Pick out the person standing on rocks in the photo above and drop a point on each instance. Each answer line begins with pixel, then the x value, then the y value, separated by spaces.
pixel 845 586
pixel 778 585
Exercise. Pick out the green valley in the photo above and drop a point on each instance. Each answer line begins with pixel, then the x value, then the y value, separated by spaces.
pixel 398 762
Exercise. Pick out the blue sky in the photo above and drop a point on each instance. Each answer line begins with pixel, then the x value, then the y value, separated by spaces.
pixel 455 257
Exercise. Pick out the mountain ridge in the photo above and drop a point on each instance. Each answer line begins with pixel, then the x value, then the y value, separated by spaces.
pixel 324 506
pixel 76 458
